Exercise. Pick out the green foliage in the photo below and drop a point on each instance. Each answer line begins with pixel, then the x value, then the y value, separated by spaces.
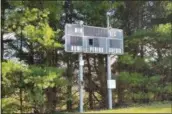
pixel 168 8
pixel 34 24
pixel 36 97
pixel 11 74
pixel 168 88
pixel 136 79
pixel 131 79
pixel 10 67
pixel 45 77
pixel 141 33
pixel 35 80
pixel 154 79
pixel 43 34
pixel 95 10
pixel 42 78
pixel 140 63
pixel 153 85
pixel 136 83
pixel 124 76
pixel 163 31
pixel 126 59
pixel 9 104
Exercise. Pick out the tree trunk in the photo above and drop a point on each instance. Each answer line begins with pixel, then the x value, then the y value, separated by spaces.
pixel 68 10
pixel 21 76
pixel 2 29
pixel 51 100
pixel 31 55
pixel 69 86
pixel 103 80
pixel 2 46
pixel 159 54
pixel 120 93
pixel 90 84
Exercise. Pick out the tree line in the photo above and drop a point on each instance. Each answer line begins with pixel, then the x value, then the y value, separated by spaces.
pixel 39 76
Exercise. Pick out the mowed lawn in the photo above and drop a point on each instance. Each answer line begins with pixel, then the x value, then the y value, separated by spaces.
pixel 153 108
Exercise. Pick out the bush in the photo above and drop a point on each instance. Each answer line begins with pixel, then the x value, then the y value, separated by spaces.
pixel 140 88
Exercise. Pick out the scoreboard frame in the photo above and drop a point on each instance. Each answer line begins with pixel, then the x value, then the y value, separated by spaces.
pixel 84 48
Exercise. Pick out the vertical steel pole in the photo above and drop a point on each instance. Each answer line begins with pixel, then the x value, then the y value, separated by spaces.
pixel 81 63
pixel 109 73
pixel 109 78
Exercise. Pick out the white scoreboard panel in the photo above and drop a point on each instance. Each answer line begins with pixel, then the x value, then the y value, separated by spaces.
pixel 89 39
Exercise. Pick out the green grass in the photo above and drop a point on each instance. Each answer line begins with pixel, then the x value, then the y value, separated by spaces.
pixel 153 108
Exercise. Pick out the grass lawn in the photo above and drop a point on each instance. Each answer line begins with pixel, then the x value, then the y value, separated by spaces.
pixel 153 108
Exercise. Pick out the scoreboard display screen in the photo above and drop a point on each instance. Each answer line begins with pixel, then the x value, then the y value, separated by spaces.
pixel 89 39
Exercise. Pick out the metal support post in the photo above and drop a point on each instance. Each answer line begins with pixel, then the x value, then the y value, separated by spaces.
pixel 109 73
pixel 81 63
pixel 109 78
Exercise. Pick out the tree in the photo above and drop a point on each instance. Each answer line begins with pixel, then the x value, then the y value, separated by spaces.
pixel 37 37
pixel 11 72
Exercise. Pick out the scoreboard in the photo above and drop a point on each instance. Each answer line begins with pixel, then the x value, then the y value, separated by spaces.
pixel 89 39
